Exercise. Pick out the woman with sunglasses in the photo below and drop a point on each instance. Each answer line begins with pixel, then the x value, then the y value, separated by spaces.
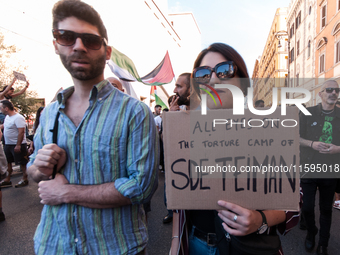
pixel 217 64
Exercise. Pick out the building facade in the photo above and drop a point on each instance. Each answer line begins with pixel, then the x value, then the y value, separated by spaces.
pixel 142 30
pixel 327 54
pixel 272 67
pixel 301 27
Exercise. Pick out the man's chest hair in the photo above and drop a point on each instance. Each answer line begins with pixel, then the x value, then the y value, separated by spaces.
pixel 76 111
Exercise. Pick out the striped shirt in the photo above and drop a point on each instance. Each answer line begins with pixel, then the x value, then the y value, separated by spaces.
pixel 116 141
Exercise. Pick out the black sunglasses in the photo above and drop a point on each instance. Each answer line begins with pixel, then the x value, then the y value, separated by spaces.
pixel 68 38
pixel 224 71
pixel 330 90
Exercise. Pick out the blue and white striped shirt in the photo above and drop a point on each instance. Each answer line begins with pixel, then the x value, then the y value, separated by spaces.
pixel 116 141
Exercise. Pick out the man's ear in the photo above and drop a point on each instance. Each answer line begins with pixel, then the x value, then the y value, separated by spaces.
pixel 55 47
pixel 108 52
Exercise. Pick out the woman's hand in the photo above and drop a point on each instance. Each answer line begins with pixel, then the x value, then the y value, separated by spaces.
pixel 239 221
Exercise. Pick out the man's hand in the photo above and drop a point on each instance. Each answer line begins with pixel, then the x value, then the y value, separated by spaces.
pixel 51 192
pixel 329 148
pixel 173 105
pixel 320 146
pixel 47 157
pixel 17 149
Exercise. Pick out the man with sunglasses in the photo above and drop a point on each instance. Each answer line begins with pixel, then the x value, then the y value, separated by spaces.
pixel 320 147
pixel 106 150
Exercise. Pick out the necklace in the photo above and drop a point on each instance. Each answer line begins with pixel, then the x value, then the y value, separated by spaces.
pixel 327 112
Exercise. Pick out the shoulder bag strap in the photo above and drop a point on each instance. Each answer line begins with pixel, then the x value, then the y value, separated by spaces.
pixel 55 139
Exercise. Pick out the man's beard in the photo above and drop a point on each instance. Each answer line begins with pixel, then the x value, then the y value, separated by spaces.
pixel 183 100
pixel 332 100
pixel 97 66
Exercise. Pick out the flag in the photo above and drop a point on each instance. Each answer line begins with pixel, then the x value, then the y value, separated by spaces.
pixel 158 100
pixel 124 68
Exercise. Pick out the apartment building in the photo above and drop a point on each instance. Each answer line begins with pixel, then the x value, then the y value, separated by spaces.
pixel 301 26
pixel 327 54
pixel 272 67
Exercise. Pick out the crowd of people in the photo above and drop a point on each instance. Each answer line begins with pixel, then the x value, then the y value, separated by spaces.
pixel 13 137
pixel 97 153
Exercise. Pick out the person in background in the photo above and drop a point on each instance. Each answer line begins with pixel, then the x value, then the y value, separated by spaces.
pixel 320 145
pixel 8 91
pixel 158 109
pixel 337 196
pixel 116 83
pixel 3 170
pixel 2 215
pixel 16 145
pixel 259 104
pixel 182 93
pixel 35 126
pixel 337 191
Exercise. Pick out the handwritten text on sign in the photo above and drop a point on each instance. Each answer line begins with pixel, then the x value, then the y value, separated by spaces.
pixel 250 165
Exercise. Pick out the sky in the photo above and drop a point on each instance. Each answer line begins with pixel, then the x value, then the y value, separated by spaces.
pixel 243 24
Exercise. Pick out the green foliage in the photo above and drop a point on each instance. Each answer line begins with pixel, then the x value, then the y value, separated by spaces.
pixel 6 69
pixel 26 102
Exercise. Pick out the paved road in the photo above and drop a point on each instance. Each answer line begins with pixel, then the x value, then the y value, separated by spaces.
pixel 22 209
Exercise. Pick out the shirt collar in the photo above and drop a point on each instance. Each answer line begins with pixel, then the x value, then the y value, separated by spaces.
pixel 336 110
pixel 99 92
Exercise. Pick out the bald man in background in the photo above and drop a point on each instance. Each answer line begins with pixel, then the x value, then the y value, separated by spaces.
pixel 116 83
pixel 320 146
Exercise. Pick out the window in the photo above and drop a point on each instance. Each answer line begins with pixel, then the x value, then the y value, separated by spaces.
pixel 297 80
pixel 322 63
pixel 336 28
pixel 292 31
pixel 310 10
pixel 298 48
pixel 292 55
pixel 298 20
pixel 321 42
pixel 323 16
pixel 308 49
pixel 337 52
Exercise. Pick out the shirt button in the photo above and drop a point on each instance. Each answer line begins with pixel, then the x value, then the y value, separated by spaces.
pixel 76 240
pixel 100 99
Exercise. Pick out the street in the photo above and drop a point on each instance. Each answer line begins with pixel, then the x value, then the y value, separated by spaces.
pixel 22 209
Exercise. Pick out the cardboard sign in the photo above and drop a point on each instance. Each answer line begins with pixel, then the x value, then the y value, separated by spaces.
pixel 249 160
pixel 19 76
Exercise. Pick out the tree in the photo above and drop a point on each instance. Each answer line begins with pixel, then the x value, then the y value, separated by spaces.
pixel 26 102
pixel 6 69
